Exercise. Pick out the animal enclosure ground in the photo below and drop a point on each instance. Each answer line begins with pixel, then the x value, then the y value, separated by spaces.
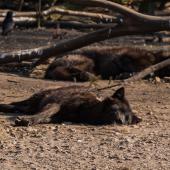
pixel 69 146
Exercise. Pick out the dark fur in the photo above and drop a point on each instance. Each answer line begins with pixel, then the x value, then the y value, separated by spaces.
pixel 8 23
pixel 71 67
pixel 107 62
pixel 75 104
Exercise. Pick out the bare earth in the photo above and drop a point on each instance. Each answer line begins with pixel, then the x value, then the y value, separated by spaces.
pixel 69 146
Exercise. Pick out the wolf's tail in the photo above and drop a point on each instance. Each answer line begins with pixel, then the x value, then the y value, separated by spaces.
pixel 7 108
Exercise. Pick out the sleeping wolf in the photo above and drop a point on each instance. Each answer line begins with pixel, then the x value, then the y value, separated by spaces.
pixel 74 104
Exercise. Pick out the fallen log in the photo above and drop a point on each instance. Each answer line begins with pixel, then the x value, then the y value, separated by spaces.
pixel 29 19
pixel 149 70
pixel 56 10
pixel 96 16
pixel 28 22
pixel 20 20
pixel 128 13
pixel 58 48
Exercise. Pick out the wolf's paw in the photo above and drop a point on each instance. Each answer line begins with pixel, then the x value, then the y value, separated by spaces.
pixel 21 122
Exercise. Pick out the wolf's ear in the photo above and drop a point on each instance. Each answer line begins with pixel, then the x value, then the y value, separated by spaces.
pixel 119 94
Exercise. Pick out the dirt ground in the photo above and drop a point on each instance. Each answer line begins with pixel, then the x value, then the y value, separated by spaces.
pixel 69 146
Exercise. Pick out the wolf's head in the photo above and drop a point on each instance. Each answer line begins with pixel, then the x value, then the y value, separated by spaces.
pixel 118 109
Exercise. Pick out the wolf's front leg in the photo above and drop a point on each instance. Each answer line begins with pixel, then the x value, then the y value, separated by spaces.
pixel 43 116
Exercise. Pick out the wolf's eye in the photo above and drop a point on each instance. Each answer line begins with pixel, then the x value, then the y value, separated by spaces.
pixel 114 109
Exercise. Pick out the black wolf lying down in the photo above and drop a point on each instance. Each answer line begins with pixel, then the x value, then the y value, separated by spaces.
pixel 73 104
pixel 108 62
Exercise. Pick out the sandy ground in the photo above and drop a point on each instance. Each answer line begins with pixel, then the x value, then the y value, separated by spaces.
pixel 69 146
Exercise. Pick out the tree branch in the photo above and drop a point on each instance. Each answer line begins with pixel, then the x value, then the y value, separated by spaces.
pixel 56 10
pixel 32 22
pixel 139 75
pixel 134 16
pixel 149 70
pixel 96 16
pixel 20 20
